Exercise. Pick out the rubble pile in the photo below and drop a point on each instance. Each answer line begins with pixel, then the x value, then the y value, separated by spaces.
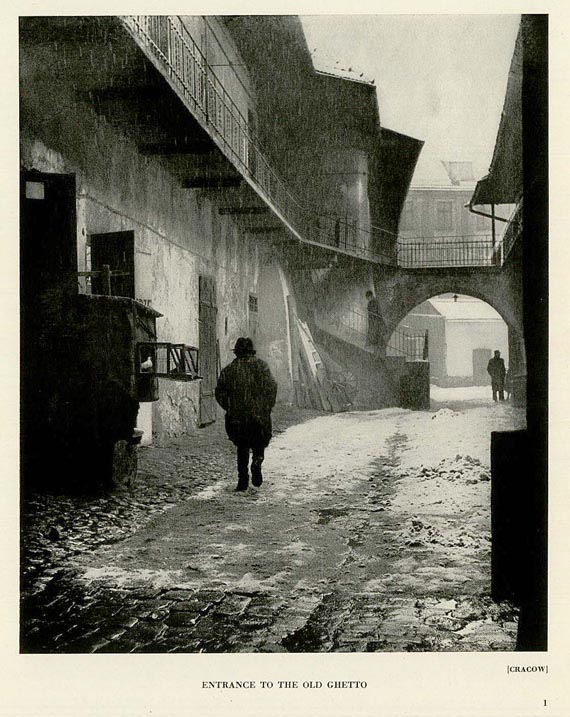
pixel 461 468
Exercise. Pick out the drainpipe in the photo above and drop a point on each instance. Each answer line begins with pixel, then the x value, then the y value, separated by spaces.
pixel 491 216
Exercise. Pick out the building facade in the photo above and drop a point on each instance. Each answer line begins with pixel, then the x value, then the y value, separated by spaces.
pixel 437 225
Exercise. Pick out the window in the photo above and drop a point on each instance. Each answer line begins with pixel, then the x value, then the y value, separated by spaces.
pixel 444 216
pixel 35 190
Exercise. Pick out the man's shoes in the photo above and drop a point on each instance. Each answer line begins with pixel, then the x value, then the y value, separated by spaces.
pixel 241 486
pixel 256 476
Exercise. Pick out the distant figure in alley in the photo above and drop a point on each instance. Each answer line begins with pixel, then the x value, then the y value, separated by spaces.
pixel 497 372
pixel 246 391
pixel 375 332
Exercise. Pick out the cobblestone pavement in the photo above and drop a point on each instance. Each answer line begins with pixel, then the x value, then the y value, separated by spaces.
pixel 326 556
pixel 55 527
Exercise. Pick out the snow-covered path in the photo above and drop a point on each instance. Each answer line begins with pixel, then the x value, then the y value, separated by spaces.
pixel 371 532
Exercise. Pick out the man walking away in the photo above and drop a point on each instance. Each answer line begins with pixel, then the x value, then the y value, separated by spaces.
pixel 246 391
pixel 497 372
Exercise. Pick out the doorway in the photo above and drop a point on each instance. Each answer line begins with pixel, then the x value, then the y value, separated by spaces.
pixel 48 278
pixel 481 358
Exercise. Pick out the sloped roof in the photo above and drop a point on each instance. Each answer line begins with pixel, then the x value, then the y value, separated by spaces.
pixel 470 310
pixel 504 183
pixel 392 171
pixel 426 309
pixel 430 172
pixel 340 105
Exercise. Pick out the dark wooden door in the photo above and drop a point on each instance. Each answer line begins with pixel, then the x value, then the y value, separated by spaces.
pixel 48 279
pixel 117 249
pixel 208 314
pixel 480 360
pixel 48 241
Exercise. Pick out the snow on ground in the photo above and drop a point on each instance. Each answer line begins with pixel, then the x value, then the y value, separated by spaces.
pixel 330 453
pixel 373 526
pixel 446 433
pixel 461 393
pixel 444 491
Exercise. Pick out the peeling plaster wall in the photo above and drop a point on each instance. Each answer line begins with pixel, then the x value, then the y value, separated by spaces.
pixel 179 234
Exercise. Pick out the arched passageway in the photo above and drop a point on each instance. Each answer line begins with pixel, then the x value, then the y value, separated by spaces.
pixel 400 292
pixel 463 334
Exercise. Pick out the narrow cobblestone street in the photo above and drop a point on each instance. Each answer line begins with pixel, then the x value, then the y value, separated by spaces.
pixel 371 532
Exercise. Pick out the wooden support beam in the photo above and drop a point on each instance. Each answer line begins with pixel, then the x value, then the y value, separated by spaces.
pixel 212 182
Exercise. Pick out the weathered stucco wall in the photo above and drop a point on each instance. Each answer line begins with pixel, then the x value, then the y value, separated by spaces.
pixel 179 234
pixel 464 337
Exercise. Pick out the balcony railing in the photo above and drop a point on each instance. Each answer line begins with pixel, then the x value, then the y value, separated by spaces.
pixel 447 251
pixel 168 43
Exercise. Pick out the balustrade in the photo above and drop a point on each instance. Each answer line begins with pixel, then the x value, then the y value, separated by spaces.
pixel 167 40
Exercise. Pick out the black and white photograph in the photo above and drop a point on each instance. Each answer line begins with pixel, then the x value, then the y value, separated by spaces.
pixel 283 290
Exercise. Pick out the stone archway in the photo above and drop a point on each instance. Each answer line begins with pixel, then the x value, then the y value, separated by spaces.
pixel 401 291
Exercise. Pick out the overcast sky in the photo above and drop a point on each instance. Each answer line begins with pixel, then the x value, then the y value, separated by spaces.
pixel 440 78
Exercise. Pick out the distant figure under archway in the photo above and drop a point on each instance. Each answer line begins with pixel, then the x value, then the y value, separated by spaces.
pixel 463 334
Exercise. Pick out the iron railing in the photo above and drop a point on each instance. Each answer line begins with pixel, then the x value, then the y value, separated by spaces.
pixel 353 325
pixel 170 46
pixel 447 251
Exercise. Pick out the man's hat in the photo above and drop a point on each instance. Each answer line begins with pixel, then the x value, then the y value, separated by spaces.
pixel 244 346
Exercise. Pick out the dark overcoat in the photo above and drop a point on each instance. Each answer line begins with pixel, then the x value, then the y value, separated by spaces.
pixel 376 326
pixel 246 391
pixel 496 370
